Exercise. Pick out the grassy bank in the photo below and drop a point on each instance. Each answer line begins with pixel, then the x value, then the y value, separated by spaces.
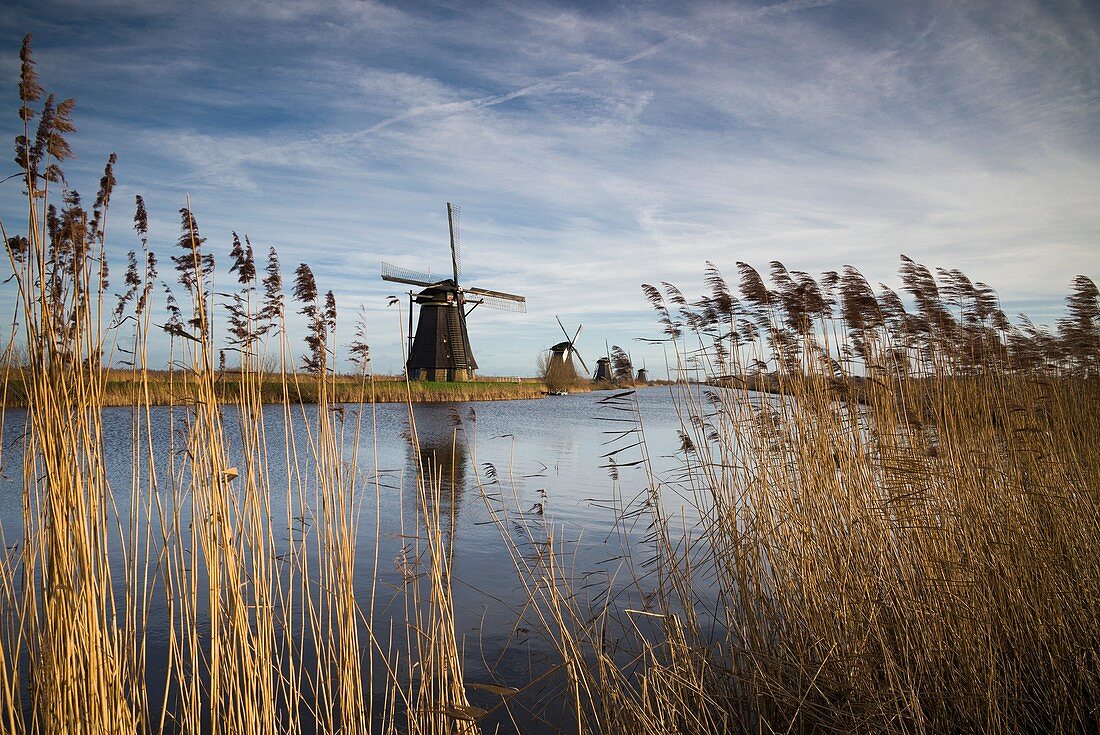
pixel 124 388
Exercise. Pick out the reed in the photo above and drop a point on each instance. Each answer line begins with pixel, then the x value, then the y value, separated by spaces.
pixel 239 539
pixel 900 541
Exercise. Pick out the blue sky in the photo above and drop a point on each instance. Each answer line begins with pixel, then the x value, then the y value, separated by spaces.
pixel 591 146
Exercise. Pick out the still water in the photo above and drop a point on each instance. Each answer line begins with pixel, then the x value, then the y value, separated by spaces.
pixel 546 461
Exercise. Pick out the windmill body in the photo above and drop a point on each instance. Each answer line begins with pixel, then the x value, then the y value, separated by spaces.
pixel 440 348
pixel 561 359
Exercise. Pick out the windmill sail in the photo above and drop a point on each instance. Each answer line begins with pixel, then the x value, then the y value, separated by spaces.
pixel 453 212
pixel 498 300
pixel 396 273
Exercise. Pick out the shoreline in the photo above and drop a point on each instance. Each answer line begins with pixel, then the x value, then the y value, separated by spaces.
pixel 165 390
pixel 121 389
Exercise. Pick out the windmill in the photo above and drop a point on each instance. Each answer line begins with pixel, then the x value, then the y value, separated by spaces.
pixel 603 370
pixel 561 354
pixel 440 349
pixel 603 367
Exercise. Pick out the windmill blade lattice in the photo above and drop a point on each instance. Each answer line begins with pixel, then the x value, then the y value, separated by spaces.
pixel 497 300
pixel 563 330
pixel 391 272
pixel 454 213
pixel 583 363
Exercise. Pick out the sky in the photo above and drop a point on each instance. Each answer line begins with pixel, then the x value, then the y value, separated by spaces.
pixel 592 147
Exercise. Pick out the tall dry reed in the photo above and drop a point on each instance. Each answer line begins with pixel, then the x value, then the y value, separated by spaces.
pixel 216 589
pixel 892 507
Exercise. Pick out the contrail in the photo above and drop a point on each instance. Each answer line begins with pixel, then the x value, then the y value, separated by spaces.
pixel 478 103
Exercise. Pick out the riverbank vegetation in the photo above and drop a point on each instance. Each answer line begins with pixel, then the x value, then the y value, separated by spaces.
pixel 917 560
pixel 165 388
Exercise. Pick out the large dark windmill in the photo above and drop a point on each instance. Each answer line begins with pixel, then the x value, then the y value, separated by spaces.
pixel 440 349
pixel 561 354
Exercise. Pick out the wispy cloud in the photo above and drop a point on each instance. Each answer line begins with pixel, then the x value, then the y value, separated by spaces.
pixel 594 149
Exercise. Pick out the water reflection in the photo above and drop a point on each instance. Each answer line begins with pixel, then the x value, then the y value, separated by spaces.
pixel 437 450
pixel 542 462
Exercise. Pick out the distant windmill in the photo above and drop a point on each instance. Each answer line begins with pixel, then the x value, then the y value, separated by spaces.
pixel 603 366
pixel 561 354
pixel 603 370
pixel 440 349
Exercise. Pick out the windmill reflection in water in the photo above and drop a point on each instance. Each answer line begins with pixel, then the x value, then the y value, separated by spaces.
pixel 438 452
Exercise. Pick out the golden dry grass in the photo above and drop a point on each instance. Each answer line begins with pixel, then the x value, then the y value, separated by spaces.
pixel 901 540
